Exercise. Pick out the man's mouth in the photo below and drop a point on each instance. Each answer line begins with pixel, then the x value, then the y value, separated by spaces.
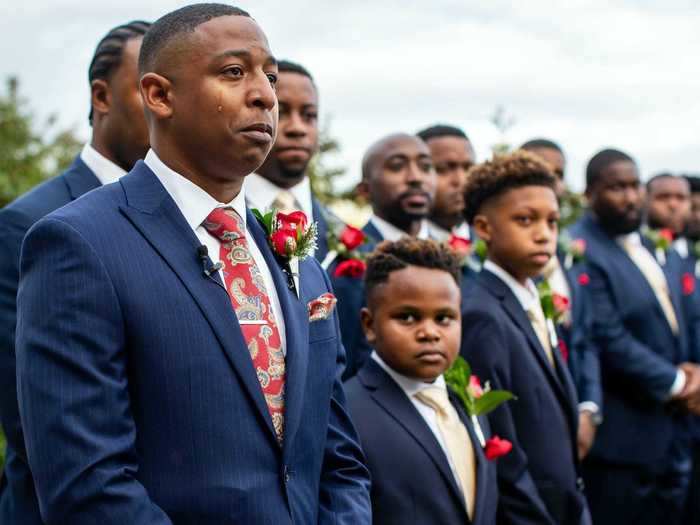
pixel 259 132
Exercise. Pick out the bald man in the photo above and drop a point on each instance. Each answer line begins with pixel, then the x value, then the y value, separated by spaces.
pixel 399 181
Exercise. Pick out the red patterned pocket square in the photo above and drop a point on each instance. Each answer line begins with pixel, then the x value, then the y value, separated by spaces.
pixel 322 307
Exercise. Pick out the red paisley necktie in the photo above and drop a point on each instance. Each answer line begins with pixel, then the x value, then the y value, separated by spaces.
pixel 250 300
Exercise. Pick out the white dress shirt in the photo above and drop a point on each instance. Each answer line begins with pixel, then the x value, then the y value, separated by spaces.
pixel 104 169
pixel 196 204
pixel 439 233
pixel 393 234
pixel 261 193
pixel 411 387
pixel 681 247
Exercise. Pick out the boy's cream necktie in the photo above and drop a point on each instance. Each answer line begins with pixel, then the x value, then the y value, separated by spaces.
pixel 539 324
pixel 457 441
pixel 655 277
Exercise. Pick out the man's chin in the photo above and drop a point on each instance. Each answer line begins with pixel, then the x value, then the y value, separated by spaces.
pixel 623 226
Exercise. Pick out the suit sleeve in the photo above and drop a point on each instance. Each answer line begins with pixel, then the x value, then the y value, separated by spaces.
pixel 623 354
pixel 590 388
pixel 345 480
pixel 73 386
pixel 486 349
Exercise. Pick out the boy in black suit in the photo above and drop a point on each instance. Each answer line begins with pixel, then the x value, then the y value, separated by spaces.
pixel 424 453
pixel 511 204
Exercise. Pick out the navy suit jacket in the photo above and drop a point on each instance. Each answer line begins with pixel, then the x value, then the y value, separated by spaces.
pixel 137 392
pixel 638 351
pixel 18 503
pixel 411 477
pixel 538 480
pixel 321 215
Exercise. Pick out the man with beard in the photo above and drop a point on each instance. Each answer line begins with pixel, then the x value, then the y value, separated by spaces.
pixel 634 472
pixel 398 180
pixel 119 139
pixel 281 182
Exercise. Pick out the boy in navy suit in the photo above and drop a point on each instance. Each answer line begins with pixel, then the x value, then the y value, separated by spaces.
pixel 511 203
pixel 424 453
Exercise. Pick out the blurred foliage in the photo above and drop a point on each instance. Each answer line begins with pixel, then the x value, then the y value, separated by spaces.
pixel 3 445
pixel 26 156
pixel 323 177
pixel 571 207
pixel 502 121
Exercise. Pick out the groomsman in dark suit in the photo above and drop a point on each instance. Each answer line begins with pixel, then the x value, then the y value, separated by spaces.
pixel 281 182
pixel 508 339
pixel 175 365
pixel 635 473
pixel 119 139
pixel 398 180
pixel 425 454
pixel 567 277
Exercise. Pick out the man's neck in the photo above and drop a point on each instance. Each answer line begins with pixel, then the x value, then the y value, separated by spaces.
pixel 100 145
pixel 410 227
pixel 447 222
pixel 279 179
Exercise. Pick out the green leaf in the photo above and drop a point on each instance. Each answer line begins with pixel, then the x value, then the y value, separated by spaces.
pixel 492 400
pixel 267 221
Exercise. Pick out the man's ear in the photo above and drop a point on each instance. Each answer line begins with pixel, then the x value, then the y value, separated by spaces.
pixel 367 322
pixel 362 190
pixel 156 91
pixel 100 96
pixel 482 227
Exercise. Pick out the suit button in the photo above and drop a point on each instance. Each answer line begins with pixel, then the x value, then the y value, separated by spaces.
pixel 286 474
pixel 580 484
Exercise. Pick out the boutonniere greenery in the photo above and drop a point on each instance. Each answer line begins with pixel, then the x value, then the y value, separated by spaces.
pixel 556 309
pixel 344 246
pixel 695 252
pixel 477 401
pixel 662 240
pixel 574 250
pixel 464 249
pixel 292 238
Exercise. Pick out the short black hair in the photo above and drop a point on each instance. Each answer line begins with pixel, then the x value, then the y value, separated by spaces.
pixel 494 177
pixel 109 51
pixel 441 130
pixel 658 176
pixel 390 257
pixel 287 66
pixel 694 181
pixel 541 143
pixel 602 160
pixel 174 24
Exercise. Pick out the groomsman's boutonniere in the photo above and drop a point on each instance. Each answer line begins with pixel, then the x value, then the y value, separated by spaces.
pixel 688 283
pixel 344 246
pixel 584 279
pixel 464 249
pixel 662 239
pixel 556 309
pixel 292 238
pixel 574 250
pixel 477 401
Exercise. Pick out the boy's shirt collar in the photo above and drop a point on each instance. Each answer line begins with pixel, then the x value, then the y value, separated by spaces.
pixel 527 295
pixel 409 385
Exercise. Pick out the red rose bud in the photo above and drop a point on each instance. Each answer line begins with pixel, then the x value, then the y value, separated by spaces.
pixel 578 246
pixel 294 220
pixel 561 303
pixel 352 237
pixel 475 387
pixel 564 350
pixel 460 245
pixel 284 241
pixel 497 447
pixel 584 279
pixel 688 283
pixel 351 268
pixel 666 234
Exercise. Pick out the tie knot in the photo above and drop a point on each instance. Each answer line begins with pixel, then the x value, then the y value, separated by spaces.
pixel 436 398
pixel 225 224
pixel 285 202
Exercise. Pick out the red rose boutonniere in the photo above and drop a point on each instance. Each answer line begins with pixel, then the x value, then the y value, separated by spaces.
pixel 556 309
pixel 464 249
pixel 574 250
pixel 584 279
pixel 497 447
pixel 662 239
pixel 477 400
pixel 688 283
pixel 344 246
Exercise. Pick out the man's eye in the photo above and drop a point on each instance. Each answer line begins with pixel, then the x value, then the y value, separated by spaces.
pixel 523 220
pixel 272 78
pixel 395 166
pixel 310 116
pixel 444 319
pixel 234 71
pixel 406 317
pixel 426 166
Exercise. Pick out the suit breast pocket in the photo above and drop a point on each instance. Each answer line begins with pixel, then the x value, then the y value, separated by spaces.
pixel 323 330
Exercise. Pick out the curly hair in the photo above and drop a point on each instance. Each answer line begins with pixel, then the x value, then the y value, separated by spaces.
pixel 390 257
pixel 504 172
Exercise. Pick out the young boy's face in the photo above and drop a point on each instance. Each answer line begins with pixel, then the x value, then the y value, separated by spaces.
pixel 520 229
pixel 413 321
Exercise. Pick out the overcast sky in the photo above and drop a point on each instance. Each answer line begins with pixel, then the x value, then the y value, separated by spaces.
pixel 587 73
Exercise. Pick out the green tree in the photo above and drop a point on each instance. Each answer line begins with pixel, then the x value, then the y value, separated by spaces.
pixel 324 177
pixel 502 121
pixel 27 157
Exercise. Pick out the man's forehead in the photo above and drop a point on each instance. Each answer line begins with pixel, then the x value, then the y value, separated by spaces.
pixel 241 32
pixel 408 146
pixel 670 184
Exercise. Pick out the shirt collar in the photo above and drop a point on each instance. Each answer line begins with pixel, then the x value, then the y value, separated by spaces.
pixel 439 233
pixel 526 295
pixel 393 234
pixel 261 193
pixel 681 246
pixel 629 238
pixel 104 169
pixel 194 203
pixel 409 385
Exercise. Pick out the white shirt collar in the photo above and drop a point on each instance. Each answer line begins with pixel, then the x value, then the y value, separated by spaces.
pixel 262 193
pixel 439 233
pixel 194 203
pixel 527 295
pixel 393 234
pixel 631 238
pixel 681 246
pixel 409 385
pixel 104 169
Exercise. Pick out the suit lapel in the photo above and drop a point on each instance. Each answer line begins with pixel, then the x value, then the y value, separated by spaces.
pixel 372 232
pixel 320 218
pixel 156 216
pixel 80 179
pixel 394 401
pixel 296 327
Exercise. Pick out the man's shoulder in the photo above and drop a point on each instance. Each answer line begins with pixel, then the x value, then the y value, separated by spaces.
pixel 35 204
